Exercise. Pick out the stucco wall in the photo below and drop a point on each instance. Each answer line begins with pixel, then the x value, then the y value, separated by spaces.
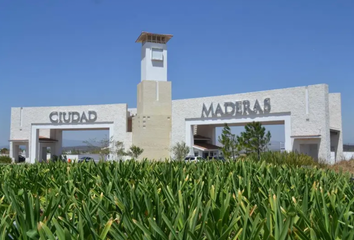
pixel 308 108
pixel 110 113
pixel 153 70
pixel 335 119
pixel 116 113
pixel 348 155
pixel 335 111
pixel 152 124
pixel 75 157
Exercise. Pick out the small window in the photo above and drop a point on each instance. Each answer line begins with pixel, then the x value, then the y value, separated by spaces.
pixel 157 54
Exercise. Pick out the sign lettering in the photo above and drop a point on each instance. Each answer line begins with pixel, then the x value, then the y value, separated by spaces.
pixel 230 109
pixel 73 117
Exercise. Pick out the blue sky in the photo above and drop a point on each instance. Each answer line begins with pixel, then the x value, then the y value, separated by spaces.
pixel 65 52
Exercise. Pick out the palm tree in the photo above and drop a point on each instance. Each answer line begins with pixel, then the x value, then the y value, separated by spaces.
pixel 135 151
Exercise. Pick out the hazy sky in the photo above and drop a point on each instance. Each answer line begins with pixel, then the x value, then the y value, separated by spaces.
pixel 80 52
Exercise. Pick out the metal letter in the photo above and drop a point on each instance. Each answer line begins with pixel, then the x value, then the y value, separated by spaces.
pixel 60 117
pixel 206 112
pixel 246 107
pixel 219 111
pixel 83 117
pixel 73 119
pixel 67 120
pixel 267 107
pixel 257 108
pixel 51 117
pixel 229 105
pixel 92 116
pixel 238 108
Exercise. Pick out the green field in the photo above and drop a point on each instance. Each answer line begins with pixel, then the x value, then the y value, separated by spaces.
pixel 154 200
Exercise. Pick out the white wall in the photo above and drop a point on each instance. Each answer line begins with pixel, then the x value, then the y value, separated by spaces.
pixel 25 119
pixel 348 155
pixel 75 157
pixel 335 119
pixel 344 157
pixel 308 108
pixel 153 70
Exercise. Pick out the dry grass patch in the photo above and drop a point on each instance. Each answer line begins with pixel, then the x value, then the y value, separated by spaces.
pixel 344 166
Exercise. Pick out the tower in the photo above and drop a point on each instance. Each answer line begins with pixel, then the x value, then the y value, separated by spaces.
pixel 153 56
pixel 152 124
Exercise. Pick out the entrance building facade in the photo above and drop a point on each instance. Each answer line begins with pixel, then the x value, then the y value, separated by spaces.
pixel 311 116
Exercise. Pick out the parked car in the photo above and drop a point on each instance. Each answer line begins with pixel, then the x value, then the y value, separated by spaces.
pixel 85 159
pixel 193 159
pixel 216 158
pixel 21 158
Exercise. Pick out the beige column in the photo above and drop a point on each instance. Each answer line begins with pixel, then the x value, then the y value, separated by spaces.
pixel 152 124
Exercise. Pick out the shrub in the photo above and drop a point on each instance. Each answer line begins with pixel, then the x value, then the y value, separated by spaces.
pixel 56 158
pixel 180 151
pixel 135 151
pixel 287 158
pixel 4 151
pixel 5 159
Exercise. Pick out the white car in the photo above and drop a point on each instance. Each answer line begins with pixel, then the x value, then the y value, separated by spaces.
pixel 193 159
pixel 85 159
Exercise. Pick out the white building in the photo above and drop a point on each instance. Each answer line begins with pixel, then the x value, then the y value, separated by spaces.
pixel 311 116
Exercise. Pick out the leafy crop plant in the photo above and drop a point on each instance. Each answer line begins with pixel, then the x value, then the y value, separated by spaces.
pixel 156 200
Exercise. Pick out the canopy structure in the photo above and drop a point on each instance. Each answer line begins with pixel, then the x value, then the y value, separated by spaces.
pixel 153 37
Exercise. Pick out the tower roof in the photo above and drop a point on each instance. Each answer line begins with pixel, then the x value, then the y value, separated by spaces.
pixel 153 37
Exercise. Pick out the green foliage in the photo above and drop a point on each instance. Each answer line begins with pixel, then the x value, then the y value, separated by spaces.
pixel 75 151
pixel 4 151
pixel 286 158
pixel 135 152
pixel 119 150
pixel 106 146
pixel 153 200
pixel 180 151
pixel 5 159
pixel 101 147
pixel 254 139
pixel 229 142
pixel 62 158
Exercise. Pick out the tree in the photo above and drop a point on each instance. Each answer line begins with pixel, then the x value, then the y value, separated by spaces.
pixel 229 142
pixel 135 151
pixel 75 151
pixel 4 151
pixel 254 139
pixel 180 150
pixel 119 150
pixel 101 147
